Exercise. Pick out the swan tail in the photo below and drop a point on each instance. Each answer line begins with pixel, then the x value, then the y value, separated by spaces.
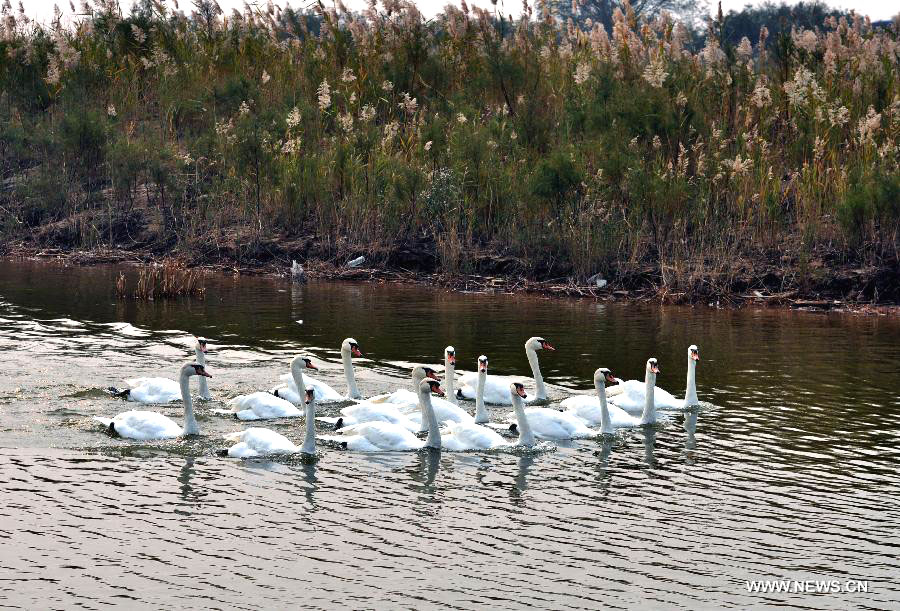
pixel 115 392
pixel 234 437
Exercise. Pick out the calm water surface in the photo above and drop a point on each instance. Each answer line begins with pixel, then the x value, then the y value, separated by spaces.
pixel 789 471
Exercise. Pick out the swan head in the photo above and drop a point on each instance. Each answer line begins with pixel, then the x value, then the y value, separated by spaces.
pixel 350 346
pixel 431 386
pixel 538 343
pixel 194 369
pixel 302 362
pixel 201 344
pixel 652 366
pixel 517 388
pixel 482 364
pixel 450 355
pixel 603 376
pixel 693 352
pixel 310 396
pixel 420 372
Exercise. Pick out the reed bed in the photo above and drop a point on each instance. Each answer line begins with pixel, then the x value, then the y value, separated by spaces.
pixel 577 148
pixel 168 280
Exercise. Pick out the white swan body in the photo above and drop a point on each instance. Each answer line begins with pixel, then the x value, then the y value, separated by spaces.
pixel 388 437
pixel 165 390
pixel 256 441
pixel 496 388
pixel 409 403
pixel 631 395
pixel 549 423
pixel 263 405
pixel 323 392
pixel 595 410
pixel 406 398
pixel 372 412
pixel 145 425
pixel 377 437
pixel 463 436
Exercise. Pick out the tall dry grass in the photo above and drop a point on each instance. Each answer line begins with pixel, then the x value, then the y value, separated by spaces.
pixel 579 150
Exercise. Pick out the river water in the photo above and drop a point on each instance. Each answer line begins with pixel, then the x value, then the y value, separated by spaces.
pixel 789 470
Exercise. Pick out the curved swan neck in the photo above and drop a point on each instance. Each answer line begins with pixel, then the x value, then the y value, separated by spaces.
pixel 536 372
pixel 450 374
pixel 690 394
pixel 190 422
pixel 526 436
pixel 434 434
pixel 605 424
pixel 297 373
pixel 202 385
pixel 352 390
pixel 309 442
pixel 481 414
pixel 649 415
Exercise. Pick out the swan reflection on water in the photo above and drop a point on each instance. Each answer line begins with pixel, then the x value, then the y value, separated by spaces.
pixel 309 476
pixel 425 469
pixel 604 474
pixel 520 484
pixel 690 441
pixel 650 447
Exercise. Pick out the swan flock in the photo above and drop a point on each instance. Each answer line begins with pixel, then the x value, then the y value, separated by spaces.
pixel 428 414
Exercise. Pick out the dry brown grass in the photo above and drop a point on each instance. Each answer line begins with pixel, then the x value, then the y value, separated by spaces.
pixel 167 280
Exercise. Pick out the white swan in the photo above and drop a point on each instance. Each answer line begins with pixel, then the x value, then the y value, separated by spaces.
pixel 409 404
pixel 387 437
pixel 324 392
pixel 202 386
pixel 643 402
pixel 594 410
pixel 462 436
pixel 367 411
pixel 143 425
pixel 496 388
pixel 547 423
pixel 263 405
pixel 404 397
pixel 481 413
pixel 450 374
pixel 517 396
pixel 261 442
pixel 635 389
pixel 162 390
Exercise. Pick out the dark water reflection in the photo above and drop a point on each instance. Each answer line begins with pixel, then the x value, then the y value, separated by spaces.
pixel 790 472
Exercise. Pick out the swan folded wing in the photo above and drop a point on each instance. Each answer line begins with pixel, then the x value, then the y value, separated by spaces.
pixel 633 394
pixel 367 412
pixel 153 390
pixel 144 426
pixel 323 392
pixel 386 436
pixel 259 442
pixel 261 406
pixel 357 443
pixel 471 436
pixel 552 424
